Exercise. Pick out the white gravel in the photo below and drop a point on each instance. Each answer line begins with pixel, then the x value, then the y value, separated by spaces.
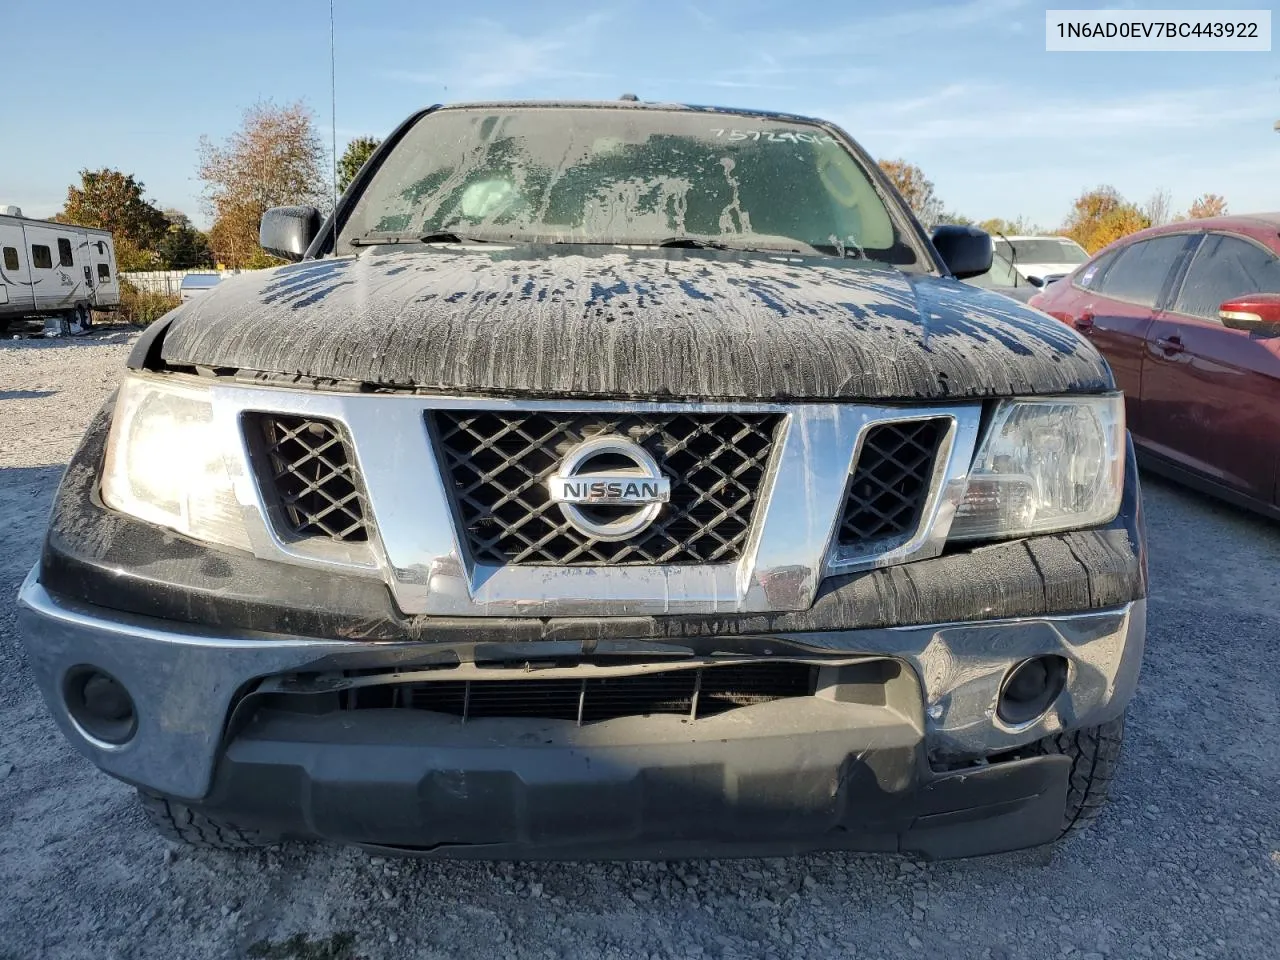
pixel 1185 863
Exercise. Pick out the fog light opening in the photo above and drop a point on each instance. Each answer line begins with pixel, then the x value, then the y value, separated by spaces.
pixel 100 705
pixel 1030 689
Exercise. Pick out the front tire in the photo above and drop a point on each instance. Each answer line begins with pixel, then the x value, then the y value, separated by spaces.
pixel 1095 761
pixel 183 824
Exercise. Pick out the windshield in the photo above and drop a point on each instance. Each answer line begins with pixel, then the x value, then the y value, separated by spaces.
pixel 1042 250
pixel 628 176
pixel 1001 274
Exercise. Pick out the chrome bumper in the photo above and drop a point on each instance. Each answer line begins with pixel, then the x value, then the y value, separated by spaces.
pixel 184 678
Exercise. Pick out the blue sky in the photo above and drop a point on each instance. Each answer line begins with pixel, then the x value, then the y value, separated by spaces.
pixel 965 89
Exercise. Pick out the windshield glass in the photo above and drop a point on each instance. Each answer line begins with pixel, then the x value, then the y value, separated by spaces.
pixel 631 176
pixel 1042 250
pixel 1001 274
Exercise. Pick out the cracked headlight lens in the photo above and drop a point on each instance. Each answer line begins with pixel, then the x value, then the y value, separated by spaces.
pixel 1045 465
pixel 165 463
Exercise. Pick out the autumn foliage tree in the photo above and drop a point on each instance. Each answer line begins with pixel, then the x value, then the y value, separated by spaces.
pixel 1207 205
pixel 111 200
pixel 274 159
pixel 353 158
pixel 916 189
pixel 1101 216
pixel 1020 227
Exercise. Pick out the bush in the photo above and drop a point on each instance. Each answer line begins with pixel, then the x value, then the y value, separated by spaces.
pixel 142 307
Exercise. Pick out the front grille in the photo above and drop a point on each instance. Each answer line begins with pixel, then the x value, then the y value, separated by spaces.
pixel 890 482
pixel 496 465
pixel 692 693
pixel 311 475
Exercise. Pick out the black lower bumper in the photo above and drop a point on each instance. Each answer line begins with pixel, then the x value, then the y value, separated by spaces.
pixel 770 780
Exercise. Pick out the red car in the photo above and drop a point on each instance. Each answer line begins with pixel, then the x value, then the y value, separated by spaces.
pixel 1188 315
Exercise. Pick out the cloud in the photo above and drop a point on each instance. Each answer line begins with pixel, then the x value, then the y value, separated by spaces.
pixel 749 85
pixel 505 61
pixel 964 113
pixel 829 57
pixel 871 33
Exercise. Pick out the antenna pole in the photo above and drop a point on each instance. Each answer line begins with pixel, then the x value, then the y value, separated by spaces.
pixel 333 128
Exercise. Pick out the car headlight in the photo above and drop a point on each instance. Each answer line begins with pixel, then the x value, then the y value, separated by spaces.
pixel 165 463
pixel 1045 465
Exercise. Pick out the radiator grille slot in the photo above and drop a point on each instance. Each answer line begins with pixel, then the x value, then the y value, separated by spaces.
pixel 311 474
pixel 890 483
pixel 692 693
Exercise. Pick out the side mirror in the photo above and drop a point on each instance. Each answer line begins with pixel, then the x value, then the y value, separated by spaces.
pixel 287 232
pixel 1255 312
pixel 967 251
pixel 1035 281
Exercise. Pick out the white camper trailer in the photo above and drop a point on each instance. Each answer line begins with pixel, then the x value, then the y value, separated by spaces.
pixel 54 270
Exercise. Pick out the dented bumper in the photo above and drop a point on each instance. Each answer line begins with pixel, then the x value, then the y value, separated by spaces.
pixel 843 767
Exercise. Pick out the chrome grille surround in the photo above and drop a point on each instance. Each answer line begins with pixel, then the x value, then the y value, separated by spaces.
pixel 497 465
pixel 415 547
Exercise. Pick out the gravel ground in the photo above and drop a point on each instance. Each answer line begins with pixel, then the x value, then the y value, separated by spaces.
pixel 1185 863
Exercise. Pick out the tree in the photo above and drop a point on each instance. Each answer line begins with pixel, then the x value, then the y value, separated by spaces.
pixel 915 188
pixel 999 225
pixel 183 246
pixel 111 200
pixel 1022 227
pixel 233 238
pixel 1208 205
pixel 353 158
pixel 274 159
pixel 951 217
pixel 1101 216
pixel 1159 207
pixel 176 217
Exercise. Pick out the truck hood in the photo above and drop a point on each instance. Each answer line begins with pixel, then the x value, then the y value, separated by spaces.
pixel 651 323
pixel 1042 270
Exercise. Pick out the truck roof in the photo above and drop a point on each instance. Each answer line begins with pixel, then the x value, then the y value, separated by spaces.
pixel 1037 236
pixel 625 105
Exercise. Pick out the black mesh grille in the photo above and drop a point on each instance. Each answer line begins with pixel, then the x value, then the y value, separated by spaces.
pixel 312 476
pixel 890 481
pixel 497 464
pixel 693 693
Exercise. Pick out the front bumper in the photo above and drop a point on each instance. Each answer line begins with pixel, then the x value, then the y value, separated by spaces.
pixel 784 776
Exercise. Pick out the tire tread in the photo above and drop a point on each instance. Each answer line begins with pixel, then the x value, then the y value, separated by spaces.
pixel 181 823
pixel 1095 759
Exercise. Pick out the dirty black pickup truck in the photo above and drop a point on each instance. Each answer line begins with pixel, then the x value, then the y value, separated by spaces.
pixel 605 480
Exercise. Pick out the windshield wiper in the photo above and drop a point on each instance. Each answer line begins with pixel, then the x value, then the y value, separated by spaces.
pixel 762 245
pixel 846 251
pixel 448 236
pixel 439 236
pixel 693 243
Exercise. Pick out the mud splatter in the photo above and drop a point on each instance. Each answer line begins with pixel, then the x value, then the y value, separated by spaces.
pixel 696 324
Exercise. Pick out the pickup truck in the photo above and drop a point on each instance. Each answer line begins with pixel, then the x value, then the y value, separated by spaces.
pixel 603 480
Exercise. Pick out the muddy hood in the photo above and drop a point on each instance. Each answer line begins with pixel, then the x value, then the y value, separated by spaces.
pixel 646 324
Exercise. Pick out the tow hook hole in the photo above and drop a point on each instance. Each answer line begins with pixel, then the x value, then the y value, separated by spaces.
pixel 1030 689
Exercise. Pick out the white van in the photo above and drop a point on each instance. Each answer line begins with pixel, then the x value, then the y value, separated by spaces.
pixel 55 270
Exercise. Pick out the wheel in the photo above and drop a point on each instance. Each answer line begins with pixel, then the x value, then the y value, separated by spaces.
pixel 183 824
pixel 1095 758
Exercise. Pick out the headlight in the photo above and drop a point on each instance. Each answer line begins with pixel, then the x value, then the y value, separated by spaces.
pixel 1045 465
pixel 165 463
